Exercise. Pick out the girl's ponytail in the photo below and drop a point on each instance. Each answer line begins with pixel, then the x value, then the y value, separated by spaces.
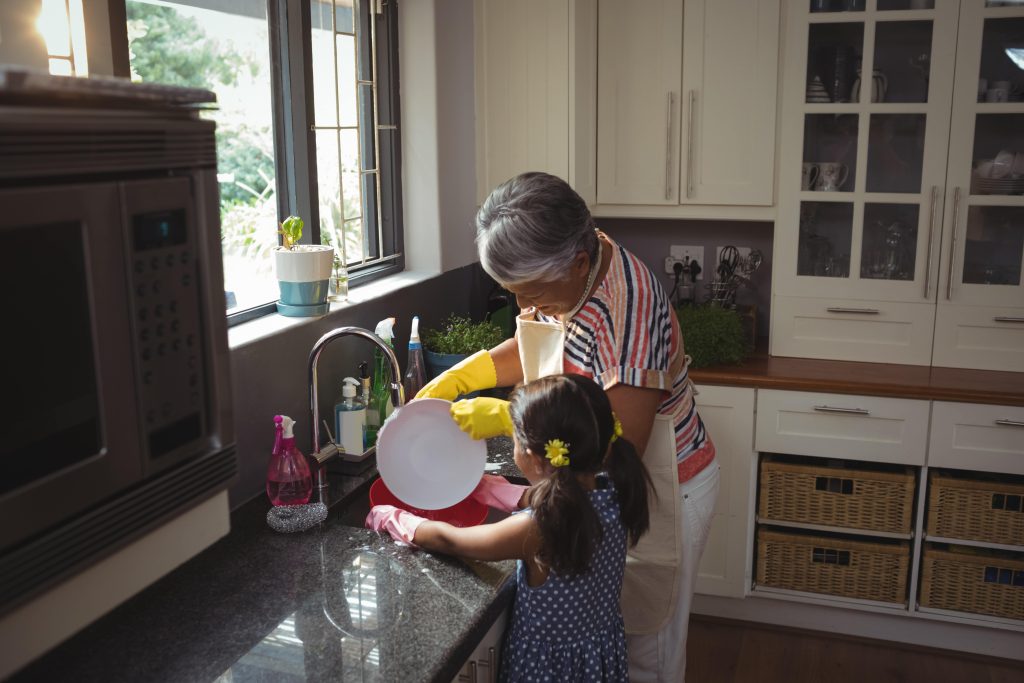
pixel 564 515
pixel 633 485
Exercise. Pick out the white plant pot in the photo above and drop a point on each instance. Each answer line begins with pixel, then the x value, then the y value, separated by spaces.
pixel 303 275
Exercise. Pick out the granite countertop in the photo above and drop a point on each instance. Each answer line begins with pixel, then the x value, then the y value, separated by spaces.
pixel 336 602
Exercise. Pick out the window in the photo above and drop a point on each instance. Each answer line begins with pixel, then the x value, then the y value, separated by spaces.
pixel 63 29
pixel 306 124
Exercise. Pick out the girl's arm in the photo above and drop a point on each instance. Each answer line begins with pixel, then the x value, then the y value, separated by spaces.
pixel 513 538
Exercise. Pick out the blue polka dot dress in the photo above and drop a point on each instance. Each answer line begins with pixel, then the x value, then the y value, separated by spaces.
pixel 571 629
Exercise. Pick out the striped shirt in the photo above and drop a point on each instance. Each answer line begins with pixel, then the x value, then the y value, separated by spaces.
pixel 627 333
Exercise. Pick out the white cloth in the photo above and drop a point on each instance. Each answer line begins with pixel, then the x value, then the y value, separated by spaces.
pixel 541 346
pixel 649 586
pixel 661 657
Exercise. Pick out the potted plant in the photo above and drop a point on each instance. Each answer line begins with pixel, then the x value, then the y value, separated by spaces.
pixel 303 272
pixel 712 335
pixel 457 338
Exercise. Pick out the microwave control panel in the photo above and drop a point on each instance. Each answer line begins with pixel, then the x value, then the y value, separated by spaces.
pixel 165 292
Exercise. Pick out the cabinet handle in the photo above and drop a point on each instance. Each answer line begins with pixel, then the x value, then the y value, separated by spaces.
pixel 860 311
pixel 928 248
pixel 492 665
pixel 1007 319
pixel 668 147
pixel 835 409
pixel 1010 423
pixel 472 672
pixel 952 244
pixel 689 143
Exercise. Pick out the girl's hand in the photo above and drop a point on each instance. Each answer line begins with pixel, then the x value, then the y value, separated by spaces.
pixel 499 493
pixel 400 524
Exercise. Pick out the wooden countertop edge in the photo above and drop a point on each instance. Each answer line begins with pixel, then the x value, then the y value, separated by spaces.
pixel 845 377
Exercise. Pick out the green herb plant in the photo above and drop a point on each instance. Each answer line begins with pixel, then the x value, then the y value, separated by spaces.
pixel 291 231
pixel 461 335
pixel 712 335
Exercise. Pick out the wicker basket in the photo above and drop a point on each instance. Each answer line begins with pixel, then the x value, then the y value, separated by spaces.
pixel 817 564
pixel 973 580
pixel 837 496
pixel 975 509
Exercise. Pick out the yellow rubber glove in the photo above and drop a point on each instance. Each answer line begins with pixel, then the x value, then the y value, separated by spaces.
pixel 475 373
pixel 482 417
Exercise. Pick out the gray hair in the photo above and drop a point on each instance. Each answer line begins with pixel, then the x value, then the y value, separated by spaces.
pixel 531 227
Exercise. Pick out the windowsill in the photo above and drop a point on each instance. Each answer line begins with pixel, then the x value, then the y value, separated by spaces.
pixel 274 323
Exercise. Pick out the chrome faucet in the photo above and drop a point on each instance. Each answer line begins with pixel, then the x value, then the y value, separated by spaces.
pixel 322 455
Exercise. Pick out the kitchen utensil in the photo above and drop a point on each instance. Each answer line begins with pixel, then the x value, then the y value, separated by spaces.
pixel 808 175
pixel 833 175
pixel 727 263
pixel 879 84
pixel 425 459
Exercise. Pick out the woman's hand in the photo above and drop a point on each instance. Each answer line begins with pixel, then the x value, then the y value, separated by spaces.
pixel 475 373
pixel 482 417
pixel 400 524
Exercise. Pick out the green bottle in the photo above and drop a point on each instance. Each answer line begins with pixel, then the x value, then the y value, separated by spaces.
pixel 380 391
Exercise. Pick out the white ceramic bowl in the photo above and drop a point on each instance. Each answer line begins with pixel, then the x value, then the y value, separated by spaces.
pixel 425 459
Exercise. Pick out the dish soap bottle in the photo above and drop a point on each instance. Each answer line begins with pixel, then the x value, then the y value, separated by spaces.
pixel 380 391
pixel 415 373
pixel 289 481
pixel 350 419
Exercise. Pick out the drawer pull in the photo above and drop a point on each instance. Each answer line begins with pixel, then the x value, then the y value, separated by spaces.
pixel 1010 423
pixel 1007 319
pixel 835 409
pixel 860 311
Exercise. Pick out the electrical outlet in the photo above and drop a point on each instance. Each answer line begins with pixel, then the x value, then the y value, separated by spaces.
pixel 684 255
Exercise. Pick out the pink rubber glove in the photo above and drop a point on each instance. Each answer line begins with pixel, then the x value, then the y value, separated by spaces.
pixel 400 524
pixel 498 493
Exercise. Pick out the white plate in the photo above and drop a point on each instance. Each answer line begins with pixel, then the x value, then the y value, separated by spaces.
pixel 425 459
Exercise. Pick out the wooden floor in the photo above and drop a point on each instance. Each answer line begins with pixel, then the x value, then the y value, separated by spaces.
pixel 723 651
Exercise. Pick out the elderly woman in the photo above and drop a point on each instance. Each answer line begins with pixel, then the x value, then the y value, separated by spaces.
pixel 591 307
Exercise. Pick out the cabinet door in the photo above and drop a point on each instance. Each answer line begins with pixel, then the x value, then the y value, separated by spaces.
pixel 639 74
pixel 522 89
pixel 728 415
pixel 865 128
pixel 730 78
pixel 981 293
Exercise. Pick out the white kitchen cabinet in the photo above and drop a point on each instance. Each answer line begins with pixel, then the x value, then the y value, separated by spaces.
pixel 884 226
pixel 534 64
pixel 728 415
pixel 686 96
pixel 483 664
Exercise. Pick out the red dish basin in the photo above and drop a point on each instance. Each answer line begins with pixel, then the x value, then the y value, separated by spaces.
pixel 468 512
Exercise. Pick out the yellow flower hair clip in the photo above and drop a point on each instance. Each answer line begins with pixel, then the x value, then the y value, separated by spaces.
pixel 618 430
pixel 557 451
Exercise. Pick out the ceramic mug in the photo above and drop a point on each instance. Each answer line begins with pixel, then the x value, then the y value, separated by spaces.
pixel 809 175
pixel 832 175
pixel 997 94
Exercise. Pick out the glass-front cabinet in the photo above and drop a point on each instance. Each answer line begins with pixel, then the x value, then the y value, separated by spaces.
pixel 905 122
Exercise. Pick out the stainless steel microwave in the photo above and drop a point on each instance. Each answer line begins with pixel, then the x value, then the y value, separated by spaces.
pixel 116 394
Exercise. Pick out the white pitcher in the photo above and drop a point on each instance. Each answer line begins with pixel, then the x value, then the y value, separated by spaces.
pixel 879 84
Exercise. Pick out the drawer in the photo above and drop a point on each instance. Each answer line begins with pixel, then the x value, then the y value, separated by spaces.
pixel 847 426
pixel 869 331
pixel 973 436
pixel 979 337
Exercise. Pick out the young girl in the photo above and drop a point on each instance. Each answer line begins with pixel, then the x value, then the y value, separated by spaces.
pixel 570 543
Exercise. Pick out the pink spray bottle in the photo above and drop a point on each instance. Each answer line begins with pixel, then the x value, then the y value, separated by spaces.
pixel 289 481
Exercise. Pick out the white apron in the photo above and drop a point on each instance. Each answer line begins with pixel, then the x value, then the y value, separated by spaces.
pixel 650 586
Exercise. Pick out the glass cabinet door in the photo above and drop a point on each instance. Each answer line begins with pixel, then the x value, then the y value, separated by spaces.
pixel 983 244
pixel 875 123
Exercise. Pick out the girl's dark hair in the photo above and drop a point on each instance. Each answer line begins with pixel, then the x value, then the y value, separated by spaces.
pixel 576 410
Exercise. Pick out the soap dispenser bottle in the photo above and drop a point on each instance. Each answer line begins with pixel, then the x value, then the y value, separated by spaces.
pixel 350 419
pixel 415 371
pixel 289 481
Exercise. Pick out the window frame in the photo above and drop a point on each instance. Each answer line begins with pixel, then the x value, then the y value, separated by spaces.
pixel 289 27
